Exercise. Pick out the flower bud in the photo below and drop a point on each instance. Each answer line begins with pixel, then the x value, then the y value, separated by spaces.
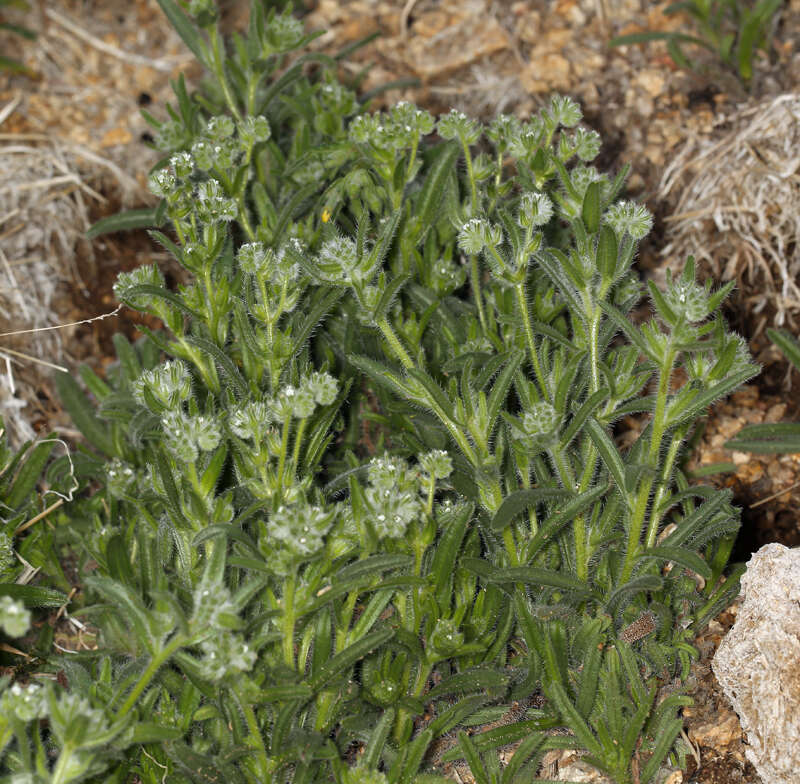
pixel 323 387
pixel 168 384
pixel 565 111
pixel 445 639
pixel 625 216
pixel 15 620
pixel 541 419
pixel 535 209
pixel 146 275
pixel 254 129
pixel 437 464
pixel 456 125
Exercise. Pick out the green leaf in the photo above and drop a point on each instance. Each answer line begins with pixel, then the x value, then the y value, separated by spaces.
pixel 532 575
pixel 322 303
pixel 607 252
pixel 499 393
pixel 431 197
pixel 572 718
pixel 592 403
pixel 478 679
pixel 160 293
pixel 185 29
pixel 143 218
pixel 83 415
pixel 345 659
pixel 34 596
pixel 771 438
pixel 473 758
pixel 566 514
pixel 222 359
pixel 685 558
pixel 608 453
pixel 590 212
pixel 28 475
pixel 696 407
pixel 289 692
pixel 520 500
pixel 644 583
pixel 787 344
pixel 377 740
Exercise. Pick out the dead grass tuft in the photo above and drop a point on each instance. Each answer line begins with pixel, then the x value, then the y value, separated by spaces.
pixel 738 207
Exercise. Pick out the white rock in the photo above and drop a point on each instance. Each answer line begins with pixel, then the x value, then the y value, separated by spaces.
pixel 758 663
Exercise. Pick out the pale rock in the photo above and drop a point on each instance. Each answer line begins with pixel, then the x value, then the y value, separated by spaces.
pixel 775 413
pixel 758 663
pixel 740 458
pixel 547 72
pixel 724 730
pixel 651 80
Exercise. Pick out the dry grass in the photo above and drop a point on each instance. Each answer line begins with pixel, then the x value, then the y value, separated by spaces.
pixel 739 206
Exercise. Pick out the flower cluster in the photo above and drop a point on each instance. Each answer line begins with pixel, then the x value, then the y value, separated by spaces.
pixel 225 654
pixel 25 702
pixel 186 436
pixel 15 620
pixel 393 494
pixel 164 388
pixel 626 217
pixel 300 528
pixel 397 130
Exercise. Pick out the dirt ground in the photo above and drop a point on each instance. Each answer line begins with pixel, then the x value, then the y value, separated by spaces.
pixel 73 148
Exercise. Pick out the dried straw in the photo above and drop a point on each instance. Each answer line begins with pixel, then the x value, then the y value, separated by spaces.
pixel 738 206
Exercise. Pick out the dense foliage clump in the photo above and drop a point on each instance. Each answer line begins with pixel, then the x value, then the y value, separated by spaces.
pixel 362 491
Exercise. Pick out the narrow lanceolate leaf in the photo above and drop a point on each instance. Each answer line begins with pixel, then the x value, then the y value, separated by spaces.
pixel 608 452
pixel 224 362
pixel 777 438
pixel 380 373
pixel 787 344
pixel 607 251
pixel 591 208
pixel 698 405
pixel 632 332
pixel 554 271
pixel 479 679
pixel 499 393
pixel 33 596
pixel 431 196
pixel 185 29
pixel 124 221
pixel 520 500
pixel 565 514
pixel 531 575
pixel 27 476
pixel 83 415
pixel 685 558
pixel 345 659
pixel 592 403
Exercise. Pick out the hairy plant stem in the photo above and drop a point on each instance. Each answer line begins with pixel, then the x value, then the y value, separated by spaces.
pixel 177 642
pixel 643 495
pixel 255 738
pixel 664 487
pixel 394 342
pixel 474 279
pixel 298 442
pixel 287 621
pixel 284 450
pixel 522 302
pixel 61 769
pixel 473 193
pixel 218 67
